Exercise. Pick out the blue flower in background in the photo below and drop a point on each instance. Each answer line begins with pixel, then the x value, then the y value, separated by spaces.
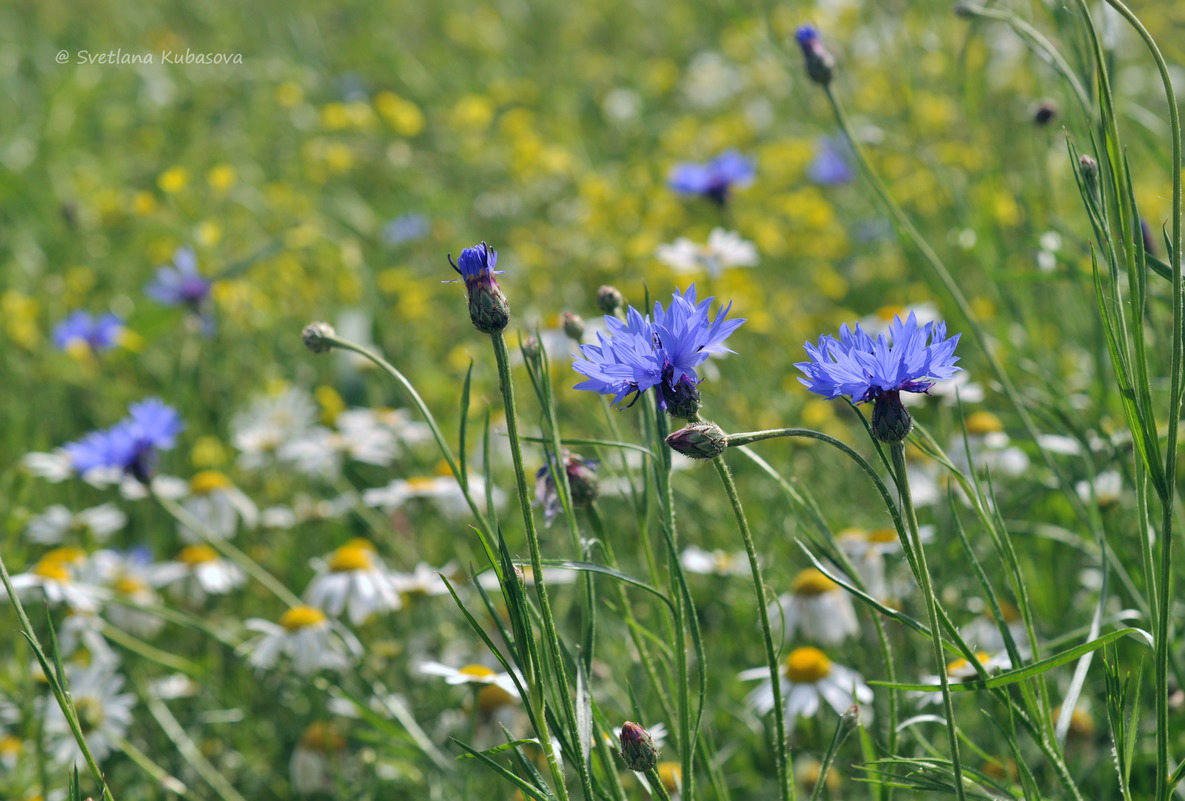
pixel 661 350
pixel 99 333
pixel 716 179
pixel 180 284
pixel 905 358
pixel 405 228
pixel 130 445
pixel 831 165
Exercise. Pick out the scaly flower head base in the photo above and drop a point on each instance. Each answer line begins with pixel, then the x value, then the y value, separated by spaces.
pixel 488 308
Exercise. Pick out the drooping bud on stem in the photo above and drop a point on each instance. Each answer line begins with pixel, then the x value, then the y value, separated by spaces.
pixel 315 336
pixel 702 440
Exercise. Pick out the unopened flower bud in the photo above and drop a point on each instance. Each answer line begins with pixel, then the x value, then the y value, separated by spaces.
pixel 609 299
pixel 315 336
pixel 1089 167
pixel 1044 112
pixel 699 440
pixel 681 400
pixel 488 308
pixel 637 748
pixel 891 422
pixel 820 64
pixel 573 325
pixel 532 349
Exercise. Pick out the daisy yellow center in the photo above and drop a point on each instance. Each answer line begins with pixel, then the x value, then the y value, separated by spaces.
pixel 671 774
pixel 320 737
pixel 980 423
pixel 1010 612
pixel 208 481
pixel 197 554
pixel 350 557
pixel 301 617
pixel 723 561
pixel 882 536
pixel 55 571
pixel 887 313
pixel 10 746
pixel 128 585
pixel 957 665
pixel 66 555
pixel 491 697
pixel 476 671
pixel 421 483
pixel 812 582
pixel 90 713
pixel 807 666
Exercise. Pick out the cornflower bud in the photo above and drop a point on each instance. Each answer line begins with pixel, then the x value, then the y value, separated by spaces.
pixel 314 337
pixel 891 421
pixel 488 308
pixel 699 440
pixel 573 325
pixel 820 64
pixel 637 748
pixel 609 299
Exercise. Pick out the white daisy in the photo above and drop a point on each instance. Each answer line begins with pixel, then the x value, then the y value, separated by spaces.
pixel 197 573
pixel 219 505
pixel 983 633
pixel 991 450
pixel 817 609
pixel 127 576
pixel 54 467
pixel 807 676
pixel 442 490
pixel 305 636
pixel 1105 489
pixel 960 670
pixel 271 421
pixel 103 712
pixel 424 580
pixel 56 577
pixel 163 486
pixel 494 689
pixel 353 578
pixel 81 633
pixel 51 526
pixel 316 760
pixel 716 562
pixel 723 249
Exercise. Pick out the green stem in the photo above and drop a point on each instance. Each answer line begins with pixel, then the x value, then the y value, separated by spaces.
pixel 897 450
pixel 657 788
pixel 781 755
pixel 502 355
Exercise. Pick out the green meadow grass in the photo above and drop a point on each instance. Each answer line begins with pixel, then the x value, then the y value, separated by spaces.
pixel 549 130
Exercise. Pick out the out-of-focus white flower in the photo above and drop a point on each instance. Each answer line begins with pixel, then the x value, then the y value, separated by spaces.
pixel 58 577
pixel 54 467
pixel 270 422
pixel 423 580
pixel 442 491
pixel 51 526
pixel 710 80
pixel 218 505
pixel 961 670
pixel 817 609
pixel 621 104
pixel 198 572
pixel 1105 489
pixel 83 631
pixel 104 714
pixel 983 633
pixel 808 676
pixel 353 579
pixel 305 636
pixel 126 575
pixel 494 689
pixel 316 759
pixel 163 486
pixel 724 249
pixel 716 562
pixel 1056 443
pixel 991 449
pixel 551 576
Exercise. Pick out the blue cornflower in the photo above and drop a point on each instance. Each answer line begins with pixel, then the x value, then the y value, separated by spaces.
pixel 130 445
pixel 715 179
pixel 661 350
pixel 830 165
pixel 99 333
pixel 488 308
pixel 905 358
pixel 820 64
pixel 180 284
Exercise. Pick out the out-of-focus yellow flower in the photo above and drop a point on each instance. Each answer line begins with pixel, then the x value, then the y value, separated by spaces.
pixel 335 116
pixel 1005 209
pixel 472 113
pixel 288 94
pixel 660 75
pixel 302 235
pixel 208 452
pixel 331 403
pixel 983 308
pixel 79 281
pixel 402 115
pixel 173 180
pixel 20 318
pixel 130 340
pixel 221 177
pixel 143 203
pixel 208 233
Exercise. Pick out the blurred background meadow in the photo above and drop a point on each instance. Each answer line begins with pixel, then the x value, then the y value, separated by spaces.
pixel 327 173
